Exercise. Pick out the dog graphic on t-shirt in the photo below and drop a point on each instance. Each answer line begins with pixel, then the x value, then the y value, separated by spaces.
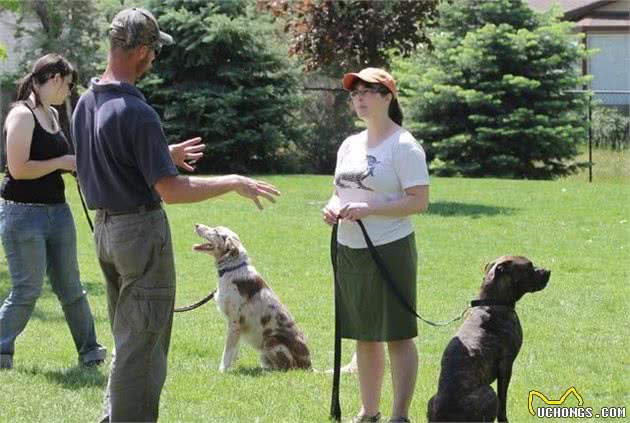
pixel 358 176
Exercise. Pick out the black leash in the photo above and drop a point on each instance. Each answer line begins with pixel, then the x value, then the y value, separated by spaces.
pixel 85 209
pixel 210 295
pixel 393 288
pixel 197 304
pixel 335 406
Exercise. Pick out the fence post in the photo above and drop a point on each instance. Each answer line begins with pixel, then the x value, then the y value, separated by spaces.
pixel 590 138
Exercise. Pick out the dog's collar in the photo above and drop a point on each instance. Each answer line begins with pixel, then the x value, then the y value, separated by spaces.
pixel 482 303
pixel 229 269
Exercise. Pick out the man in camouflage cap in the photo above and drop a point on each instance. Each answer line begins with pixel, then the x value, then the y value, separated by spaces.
pixel 126 169
pixel 135 27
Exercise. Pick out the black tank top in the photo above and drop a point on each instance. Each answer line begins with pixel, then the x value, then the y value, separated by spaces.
pixel 47 189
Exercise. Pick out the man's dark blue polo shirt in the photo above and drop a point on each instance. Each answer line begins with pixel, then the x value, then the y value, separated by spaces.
pixel 120 146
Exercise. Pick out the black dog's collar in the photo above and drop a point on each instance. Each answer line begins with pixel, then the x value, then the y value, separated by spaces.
pixel 482 303
pixel 229 269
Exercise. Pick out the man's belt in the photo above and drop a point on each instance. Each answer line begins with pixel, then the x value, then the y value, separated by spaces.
pixel 135 210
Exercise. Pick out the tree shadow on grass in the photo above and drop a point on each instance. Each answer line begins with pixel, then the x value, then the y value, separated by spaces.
pixel 94 289
pixel 450 208
pixel 74 378
pixel 256 371
pixel 5 283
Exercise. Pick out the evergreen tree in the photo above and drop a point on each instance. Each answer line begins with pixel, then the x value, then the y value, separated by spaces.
pixel 492 100
pixel 228 80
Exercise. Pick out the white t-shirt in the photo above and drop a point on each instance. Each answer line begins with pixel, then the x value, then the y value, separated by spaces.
pixel 378 174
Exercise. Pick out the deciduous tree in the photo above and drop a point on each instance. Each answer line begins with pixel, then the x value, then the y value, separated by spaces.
pixel 341 35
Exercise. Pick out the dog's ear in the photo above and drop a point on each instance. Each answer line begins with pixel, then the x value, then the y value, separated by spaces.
pixel 488 266
pixel 494 270
pixel 232 245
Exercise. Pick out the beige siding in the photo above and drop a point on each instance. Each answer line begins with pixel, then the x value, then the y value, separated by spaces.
pixel 618 6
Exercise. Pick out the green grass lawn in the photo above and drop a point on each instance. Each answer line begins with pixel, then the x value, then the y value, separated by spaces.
pixel 575 332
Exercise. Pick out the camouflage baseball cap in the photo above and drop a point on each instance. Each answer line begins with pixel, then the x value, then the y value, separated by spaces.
pixel 136 27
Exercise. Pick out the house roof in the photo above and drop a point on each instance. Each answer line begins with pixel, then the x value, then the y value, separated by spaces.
pixel 586 15
pixel 572 9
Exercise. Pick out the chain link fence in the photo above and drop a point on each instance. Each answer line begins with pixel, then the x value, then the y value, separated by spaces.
pixel 606 148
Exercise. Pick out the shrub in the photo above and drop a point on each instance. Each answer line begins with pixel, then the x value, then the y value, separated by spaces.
pixel 610 129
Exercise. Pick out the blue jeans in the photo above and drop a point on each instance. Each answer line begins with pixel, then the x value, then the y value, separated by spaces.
pixel 41 240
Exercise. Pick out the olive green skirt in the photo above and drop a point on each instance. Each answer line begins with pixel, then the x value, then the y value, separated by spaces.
pixel 368 309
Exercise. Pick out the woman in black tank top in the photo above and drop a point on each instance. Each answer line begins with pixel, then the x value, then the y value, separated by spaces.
pixel 36 224
pixel 45 189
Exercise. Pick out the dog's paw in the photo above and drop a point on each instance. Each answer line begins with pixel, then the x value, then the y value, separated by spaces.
pixel 223 369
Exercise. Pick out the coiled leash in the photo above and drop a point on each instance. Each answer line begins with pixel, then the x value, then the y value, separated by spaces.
pixel 335 407
pixel 176 310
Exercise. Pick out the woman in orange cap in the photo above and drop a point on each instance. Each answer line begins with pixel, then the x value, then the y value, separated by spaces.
pixel 381 178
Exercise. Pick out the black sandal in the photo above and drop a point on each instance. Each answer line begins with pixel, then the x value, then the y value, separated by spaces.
pixel 362 418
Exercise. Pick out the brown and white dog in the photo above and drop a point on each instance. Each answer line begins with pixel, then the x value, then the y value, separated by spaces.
pixel 251 308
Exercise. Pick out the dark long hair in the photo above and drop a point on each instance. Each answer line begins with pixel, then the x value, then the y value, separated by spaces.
pixel 394 112
pixel 45 68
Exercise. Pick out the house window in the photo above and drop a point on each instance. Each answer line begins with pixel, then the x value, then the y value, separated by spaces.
pixel 610 66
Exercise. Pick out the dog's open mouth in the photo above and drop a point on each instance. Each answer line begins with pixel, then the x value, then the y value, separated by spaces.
pixel 202 247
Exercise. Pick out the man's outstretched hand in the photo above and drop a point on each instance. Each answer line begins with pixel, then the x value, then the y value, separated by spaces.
pixel 253 189
pixel 186 153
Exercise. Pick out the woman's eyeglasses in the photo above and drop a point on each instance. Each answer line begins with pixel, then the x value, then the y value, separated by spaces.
pixel 363 93
pixel 71 86
pixel 157 49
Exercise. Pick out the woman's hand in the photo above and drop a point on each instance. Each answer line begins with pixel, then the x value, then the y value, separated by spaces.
pixel 67 163
pixel 330 213
pixel 355 211
pixel 191 150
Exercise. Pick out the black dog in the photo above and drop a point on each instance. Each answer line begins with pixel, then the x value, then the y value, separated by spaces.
pixel 486 346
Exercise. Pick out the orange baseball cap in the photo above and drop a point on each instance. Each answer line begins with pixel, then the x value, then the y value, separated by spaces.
pixel 373 75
